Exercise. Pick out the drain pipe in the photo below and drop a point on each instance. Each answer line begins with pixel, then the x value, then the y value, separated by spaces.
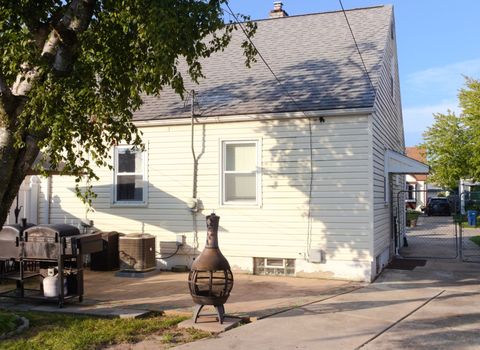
pixel 193 204
pixel 195 160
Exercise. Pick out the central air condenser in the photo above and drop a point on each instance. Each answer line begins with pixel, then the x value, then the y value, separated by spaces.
pixel 137 252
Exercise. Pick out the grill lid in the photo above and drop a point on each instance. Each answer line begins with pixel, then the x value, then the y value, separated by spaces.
pixel 56 230
pixel 12 232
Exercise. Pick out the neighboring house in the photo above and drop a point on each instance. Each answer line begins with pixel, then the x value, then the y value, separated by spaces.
pixel 302 188
pixel 417 188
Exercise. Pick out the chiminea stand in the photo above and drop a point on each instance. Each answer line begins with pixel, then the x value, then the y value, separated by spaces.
pixel 219 308
pixel 210 279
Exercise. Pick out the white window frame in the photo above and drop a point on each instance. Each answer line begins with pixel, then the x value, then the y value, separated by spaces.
pixel 411 191
pixel 144 174
pixel 258 175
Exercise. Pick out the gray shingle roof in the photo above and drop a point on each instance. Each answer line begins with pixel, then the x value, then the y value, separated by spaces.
pixel 313 55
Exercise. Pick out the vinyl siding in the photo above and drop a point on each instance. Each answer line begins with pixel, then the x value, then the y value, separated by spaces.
pixel 340 204
pixel 387 133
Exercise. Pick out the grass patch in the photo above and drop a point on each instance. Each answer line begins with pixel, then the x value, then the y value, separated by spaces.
pixel 67 332
pixel 8 322
pixel 466 225
pixel 476 240
pixel 463 220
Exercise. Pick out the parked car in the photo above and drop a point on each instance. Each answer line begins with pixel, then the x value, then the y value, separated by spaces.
pixel 438 206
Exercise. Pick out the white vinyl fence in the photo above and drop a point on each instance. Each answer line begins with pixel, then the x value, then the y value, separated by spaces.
pixel 27 201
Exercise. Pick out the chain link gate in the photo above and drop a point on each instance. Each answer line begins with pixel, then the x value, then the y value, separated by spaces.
pixel 425 225
pixel 469 226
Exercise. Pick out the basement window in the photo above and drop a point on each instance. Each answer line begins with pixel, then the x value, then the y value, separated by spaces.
pixel 274 266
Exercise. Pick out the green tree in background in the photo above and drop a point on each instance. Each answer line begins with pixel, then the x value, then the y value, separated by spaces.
pixel 446 146
pixel 452 143
pixel 73 71
pixel 470 102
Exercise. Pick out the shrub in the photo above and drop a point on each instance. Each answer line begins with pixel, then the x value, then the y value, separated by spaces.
pixel 413 215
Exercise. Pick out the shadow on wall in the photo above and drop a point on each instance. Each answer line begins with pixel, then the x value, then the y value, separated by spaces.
pixel 333 85
pixel 167 218
pixel 339 190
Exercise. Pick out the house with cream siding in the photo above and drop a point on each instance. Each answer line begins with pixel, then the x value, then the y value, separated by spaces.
pixel 302 173
pixel 416 186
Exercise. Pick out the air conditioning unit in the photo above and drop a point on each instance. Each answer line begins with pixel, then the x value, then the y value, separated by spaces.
pixel 137 252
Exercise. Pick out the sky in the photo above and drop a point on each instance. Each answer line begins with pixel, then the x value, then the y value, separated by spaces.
pixel 438 44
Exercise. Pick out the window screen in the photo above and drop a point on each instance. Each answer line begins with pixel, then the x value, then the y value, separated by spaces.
pixel 129 175
pixel 240 172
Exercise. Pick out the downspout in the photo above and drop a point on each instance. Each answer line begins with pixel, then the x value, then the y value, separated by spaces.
pixel 195 160
pixel 193 205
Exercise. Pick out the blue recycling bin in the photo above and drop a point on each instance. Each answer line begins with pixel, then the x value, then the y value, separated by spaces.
pixel 472 217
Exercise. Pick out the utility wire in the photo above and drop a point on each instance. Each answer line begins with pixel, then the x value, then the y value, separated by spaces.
pixel 287 93
pixel 159 257
pixel 356 45
pixel 285 90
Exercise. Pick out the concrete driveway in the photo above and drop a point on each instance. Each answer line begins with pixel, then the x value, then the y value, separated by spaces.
pixel 433 237
pixel 432 307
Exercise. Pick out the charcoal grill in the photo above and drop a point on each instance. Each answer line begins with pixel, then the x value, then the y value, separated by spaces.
pixel 61 246
pixel 10 247
pixel 52 241
pixel 210 279
pixel 10 238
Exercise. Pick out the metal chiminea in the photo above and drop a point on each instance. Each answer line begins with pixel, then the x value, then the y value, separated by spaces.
pixel 211 279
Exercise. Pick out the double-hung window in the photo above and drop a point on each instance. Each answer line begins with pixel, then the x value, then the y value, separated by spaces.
pixel 130 183
pixel 240 172
pixel 411 192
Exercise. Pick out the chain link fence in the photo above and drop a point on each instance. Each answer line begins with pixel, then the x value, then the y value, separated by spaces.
pixel 431 229
pixel 469 226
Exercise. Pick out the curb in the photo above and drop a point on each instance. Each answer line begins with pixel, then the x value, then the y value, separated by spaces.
pixel 22 327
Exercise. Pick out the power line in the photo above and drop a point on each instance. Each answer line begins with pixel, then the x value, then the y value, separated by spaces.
pixel 265 61
pixel 356 45
pixel 287 93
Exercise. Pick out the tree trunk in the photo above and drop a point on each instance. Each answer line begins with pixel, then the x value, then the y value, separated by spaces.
pixel 16 164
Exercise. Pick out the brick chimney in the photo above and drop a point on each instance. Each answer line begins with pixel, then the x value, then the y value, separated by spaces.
pixel 278 11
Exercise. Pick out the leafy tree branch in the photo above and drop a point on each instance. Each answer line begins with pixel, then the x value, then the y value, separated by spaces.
pixel 73 72
pixel 452 143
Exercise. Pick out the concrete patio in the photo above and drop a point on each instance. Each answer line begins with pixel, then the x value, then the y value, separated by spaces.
pixel 252 297
pixel 430 307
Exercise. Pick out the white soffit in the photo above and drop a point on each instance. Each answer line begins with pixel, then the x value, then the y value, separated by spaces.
pixel 399 164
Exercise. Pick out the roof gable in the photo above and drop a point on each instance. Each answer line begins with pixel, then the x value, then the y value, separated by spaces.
pixel 313 55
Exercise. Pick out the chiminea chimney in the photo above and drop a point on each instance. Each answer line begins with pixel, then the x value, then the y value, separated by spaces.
pixel 278 11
